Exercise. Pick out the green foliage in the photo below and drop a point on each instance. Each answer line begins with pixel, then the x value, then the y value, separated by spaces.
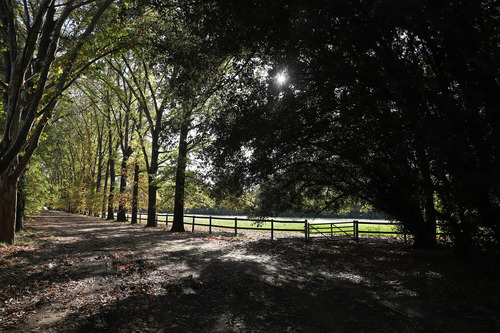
pixel 381 105
pixel 37 187
pixel 196 191
pixel 390 106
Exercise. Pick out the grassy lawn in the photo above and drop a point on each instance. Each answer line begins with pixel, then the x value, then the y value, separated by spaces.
pixel 384 229
pixel 381 227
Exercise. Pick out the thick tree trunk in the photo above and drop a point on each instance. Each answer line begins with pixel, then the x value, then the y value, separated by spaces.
pixel 20 210
pixel 425 238
pixel 462 233
pixel 407 210
pixel 180 181
pixel 424 231
pixel 135 193
pixel 112 176
pixel 152 187
pixel 122 211
pixel 8 205
pixel 423 226
pixel 21 200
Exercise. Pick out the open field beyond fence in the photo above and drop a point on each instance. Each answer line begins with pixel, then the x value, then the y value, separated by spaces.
pixel 309 229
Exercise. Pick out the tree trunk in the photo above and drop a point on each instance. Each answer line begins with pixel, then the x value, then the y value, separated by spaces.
pixel 425 238
pixel 135 193
pixel 462 233
pixel 430 216
pixel 180 181
pixel 151 203
pixel 407 210
pixel 21 200
pixel 152 187
pixel 112 176
pixel 103 208
pixel 99 174
pixel 424 232
pixel 8 205
pixel 122 211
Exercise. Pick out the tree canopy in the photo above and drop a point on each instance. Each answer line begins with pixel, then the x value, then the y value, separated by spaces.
pixel 392 104
pixel 300 106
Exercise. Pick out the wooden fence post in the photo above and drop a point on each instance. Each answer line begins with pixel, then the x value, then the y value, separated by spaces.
pixel 306 230
pixel 272 229
pixel 192 227
pixel 356 230
pixel 210 224
pixel 236 226
pixel 166 219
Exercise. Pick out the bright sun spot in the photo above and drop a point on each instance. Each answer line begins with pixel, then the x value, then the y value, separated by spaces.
pixel 281 78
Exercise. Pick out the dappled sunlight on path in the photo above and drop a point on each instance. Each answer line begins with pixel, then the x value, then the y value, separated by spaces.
pixel 98 275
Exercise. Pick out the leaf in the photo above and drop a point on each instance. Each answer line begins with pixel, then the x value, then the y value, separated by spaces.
pixel 5 262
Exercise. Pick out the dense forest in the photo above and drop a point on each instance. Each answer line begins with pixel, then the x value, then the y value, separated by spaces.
pixel 267 107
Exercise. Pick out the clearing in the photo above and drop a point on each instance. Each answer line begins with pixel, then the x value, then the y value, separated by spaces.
pixel 87 275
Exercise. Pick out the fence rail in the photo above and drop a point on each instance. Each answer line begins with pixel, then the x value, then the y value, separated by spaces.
pixel 310 230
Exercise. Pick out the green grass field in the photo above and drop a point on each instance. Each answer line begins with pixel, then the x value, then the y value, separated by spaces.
pixel 381 227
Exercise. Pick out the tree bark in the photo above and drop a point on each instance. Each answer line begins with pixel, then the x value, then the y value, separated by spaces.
pixel 122 211
pixel 112 176
pixel 100 159
pixel 152 187
pixel 430 216
pixel 462 233
pixel 21 201
pixel 423 231
pixel 103 208
pixel 425 238
pixel 135 193
pixel 8 203
pixel 180 180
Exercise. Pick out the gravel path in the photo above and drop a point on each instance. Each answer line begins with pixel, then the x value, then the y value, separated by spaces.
pixel 88 275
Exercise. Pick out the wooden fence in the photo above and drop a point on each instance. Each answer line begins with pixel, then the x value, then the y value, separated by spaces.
pixel 234 223
pixel 309 229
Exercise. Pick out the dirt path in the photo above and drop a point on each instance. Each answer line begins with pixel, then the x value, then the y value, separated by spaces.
pixel 97 276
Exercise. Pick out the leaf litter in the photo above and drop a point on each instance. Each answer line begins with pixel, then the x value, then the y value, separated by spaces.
pixel 156 281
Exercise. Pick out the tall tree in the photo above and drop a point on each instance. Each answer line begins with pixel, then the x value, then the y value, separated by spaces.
pixel 122 116
pixel 112 174
pixel 149 88
pixel 33 78
pixel 204 65
pixel 394 119
pixel 135 193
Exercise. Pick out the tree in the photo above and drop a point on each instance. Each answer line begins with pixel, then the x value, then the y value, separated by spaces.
pixel 40 53
pixel 77 160
pixel 204 65
pixel 122 119
pixel 111 164
pixel 381 104
pixel 153 103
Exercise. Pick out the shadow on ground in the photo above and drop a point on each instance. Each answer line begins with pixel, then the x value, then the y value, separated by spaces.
pixel 113 277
